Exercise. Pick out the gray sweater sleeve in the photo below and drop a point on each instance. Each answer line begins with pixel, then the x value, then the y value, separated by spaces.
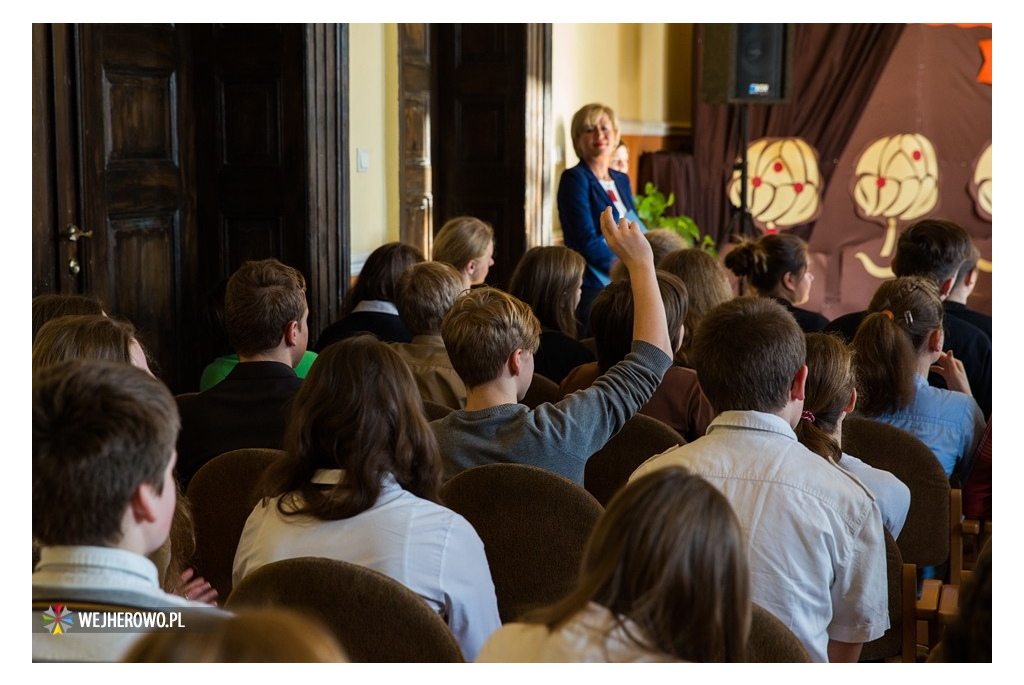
pixel 582 422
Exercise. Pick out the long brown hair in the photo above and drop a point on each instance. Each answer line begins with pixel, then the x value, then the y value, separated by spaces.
pixel 668 555
pixel 831 380
pixel 358 410
pixel 707 286
pixel 547 278
pixel 901 316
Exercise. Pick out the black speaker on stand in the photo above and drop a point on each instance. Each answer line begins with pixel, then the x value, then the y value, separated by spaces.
pixel 745 64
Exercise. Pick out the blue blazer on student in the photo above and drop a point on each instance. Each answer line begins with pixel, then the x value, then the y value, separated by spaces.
pixel 581 199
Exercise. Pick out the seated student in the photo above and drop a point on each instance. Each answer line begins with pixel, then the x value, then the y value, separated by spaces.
pixel 897 343
pixel 53 305
pixel 977 488
pixel 266 316
pixel 370 304
pixel 707 286
pixel 664 577
pixel 777 266
pixel 467 243
pixel 549 279
pixel 103 498
pixel 425 293
pixel 831 395
pixel 678 401
pixel 360 484
pixel 935 249
pixel 491 338
pixel 265 635
pixel 955 303
pixel 664 241
pixel 815 536
pixel 217 335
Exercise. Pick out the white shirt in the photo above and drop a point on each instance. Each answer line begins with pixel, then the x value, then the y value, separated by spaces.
pixel 104 575
pixel 591 636
pixel 891 494
pixel 430 549
pixel 814 533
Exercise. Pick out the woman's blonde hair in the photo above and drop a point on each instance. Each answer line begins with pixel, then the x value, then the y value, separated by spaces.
pixel 462 240
pixel 589 115
pixel 669 557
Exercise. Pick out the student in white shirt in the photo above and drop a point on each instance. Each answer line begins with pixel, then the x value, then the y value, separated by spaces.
pixel 360 484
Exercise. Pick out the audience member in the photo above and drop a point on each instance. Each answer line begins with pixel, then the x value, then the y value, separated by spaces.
pixel 549 280
pixel 664 241
pixel 270 635
pixel 491 338
pixel 370 304
pixel 467 243
pixel 777 266
pixel 897 343
pixel 815 541
pixel 87 336
pixel 935 249
pixel 955 303
pixel 103 496
pixel 266 315
pixel 425 293
pixel 707 286
pixel 664 578
pixel 678 401
pixel 831 395
pixel 360 484
pixel 53 305
pixel 977 486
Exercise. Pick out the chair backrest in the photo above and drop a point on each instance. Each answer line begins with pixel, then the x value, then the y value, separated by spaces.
pixel 924 540
pixel 534 525
pixel 771 641
pixel 542 389
pixel 900 640
pixel 435 411
pixel 222 494
pixel 610 467
pixel 375 618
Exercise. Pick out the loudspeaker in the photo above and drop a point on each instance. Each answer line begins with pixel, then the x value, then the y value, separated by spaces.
pixel 747 63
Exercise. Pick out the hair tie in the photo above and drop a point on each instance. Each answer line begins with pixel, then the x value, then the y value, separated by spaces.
pixel 888 313
pixel 807 416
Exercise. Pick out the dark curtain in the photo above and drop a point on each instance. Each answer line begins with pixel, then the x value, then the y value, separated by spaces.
pixel 835 69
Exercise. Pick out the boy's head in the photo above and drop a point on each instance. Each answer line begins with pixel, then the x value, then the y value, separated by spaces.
pixel 103 437
pixel 425 293
pixel 482 329
pixel 934 249
pixel 748 352
pixel 967 274
pixel 611 317
pixel 265 300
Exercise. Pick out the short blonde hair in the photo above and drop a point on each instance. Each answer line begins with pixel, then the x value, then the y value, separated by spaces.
pixel 462 240
pixel 483 328
pixel 425 293
pixel 588 115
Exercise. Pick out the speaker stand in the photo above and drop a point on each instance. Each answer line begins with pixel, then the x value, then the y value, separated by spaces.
pixel 741 223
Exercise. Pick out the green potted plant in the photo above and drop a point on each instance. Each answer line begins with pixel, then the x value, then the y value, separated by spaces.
pixel 651 206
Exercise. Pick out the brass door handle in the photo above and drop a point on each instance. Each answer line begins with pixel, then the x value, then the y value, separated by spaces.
pixel 74 267
pixel 74 234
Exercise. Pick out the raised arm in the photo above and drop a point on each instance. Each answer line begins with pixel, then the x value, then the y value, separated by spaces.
pixel 628 243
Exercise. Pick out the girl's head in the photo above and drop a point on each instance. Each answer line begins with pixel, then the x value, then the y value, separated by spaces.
pixel 87 336
pixel 830 393
pixel 707 286
pixel 903 326
pixel 467 243
pixel 52 305
pixel 381 272
pixel 359 410
pixel 668 555
pixel 549 280
pixel 774 265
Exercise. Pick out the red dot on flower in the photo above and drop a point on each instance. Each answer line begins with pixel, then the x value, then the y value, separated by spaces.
pixel 777 166
pixel 880 182
pixel 798 187
pixel 756 182
pixel 917 155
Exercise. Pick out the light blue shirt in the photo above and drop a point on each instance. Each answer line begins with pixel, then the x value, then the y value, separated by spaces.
pixel 949 422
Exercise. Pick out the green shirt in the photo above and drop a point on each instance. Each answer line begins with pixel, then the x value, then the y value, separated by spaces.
pixel 219 368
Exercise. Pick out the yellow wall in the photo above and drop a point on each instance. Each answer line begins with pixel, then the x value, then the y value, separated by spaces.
pixel 373 125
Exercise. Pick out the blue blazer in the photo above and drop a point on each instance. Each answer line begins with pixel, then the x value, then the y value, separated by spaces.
pixel 581 199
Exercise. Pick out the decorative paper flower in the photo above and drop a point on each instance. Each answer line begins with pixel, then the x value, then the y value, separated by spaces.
pixel 783 183
pixel 981 184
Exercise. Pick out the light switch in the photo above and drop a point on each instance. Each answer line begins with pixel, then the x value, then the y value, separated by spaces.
pixel 362 159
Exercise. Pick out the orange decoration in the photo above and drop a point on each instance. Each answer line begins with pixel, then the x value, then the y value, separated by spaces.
pixel 985 75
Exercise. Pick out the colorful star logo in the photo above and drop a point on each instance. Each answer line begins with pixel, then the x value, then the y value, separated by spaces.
pixel 58 622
